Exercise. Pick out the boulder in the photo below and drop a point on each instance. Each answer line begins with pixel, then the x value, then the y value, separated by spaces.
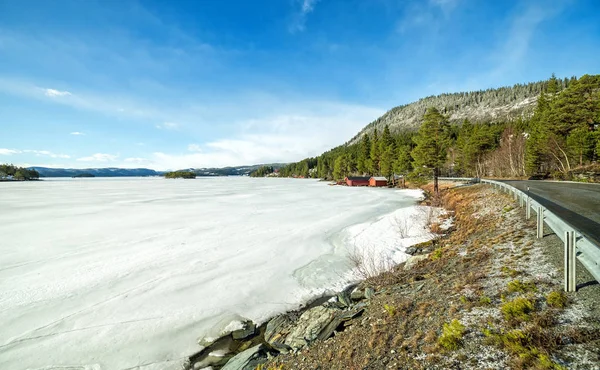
pixel 369 293
pixel 412 261
pixel 277 331
pixel 344 299
pixel 249 359
pixel 248 329
pixel 310 326
pixel 411 250
pixel 357 295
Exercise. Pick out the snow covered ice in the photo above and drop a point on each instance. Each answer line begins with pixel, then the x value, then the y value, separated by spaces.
pixel 129 273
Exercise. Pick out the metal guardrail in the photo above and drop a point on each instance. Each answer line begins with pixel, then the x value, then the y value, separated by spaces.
pixel 577 246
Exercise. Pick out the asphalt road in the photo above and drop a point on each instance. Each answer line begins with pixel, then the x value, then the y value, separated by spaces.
pixel 576 203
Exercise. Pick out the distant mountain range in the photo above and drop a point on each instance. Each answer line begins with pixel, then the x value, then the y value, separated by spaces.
pixel 145 172
pixel 97 172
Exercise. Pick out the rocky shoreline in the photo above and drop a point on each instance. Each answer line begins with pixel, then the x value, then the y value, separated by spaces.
pixel 251 345
pixel 485 296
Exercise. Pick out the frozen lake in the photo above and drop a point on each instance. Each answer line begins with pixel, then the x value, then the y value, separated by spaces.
pixel 128 273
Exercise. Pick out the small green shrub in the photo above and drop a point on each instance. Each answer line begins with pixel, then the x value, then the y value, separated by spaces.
pixel 516 286
pixel 544 362
pixel 391 310
pixel 464 300
pixel 519 344
pixel 485 300
pixel 452 334
pixel 436 254
pixel 517 309
pixel 556 299
pixel 507 209
pixel 509 271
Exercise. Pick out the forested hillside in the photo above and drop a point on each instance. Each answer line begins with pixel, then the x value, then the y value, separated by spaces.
pixel 9 171
pixel 491 105
pixel 560 135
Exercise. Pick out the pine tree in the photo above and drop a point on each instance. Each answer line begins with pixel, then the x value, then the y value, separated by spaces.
pixel 581 143
pixel 432 143
pixel 537 137
pixel 375 154
pixel 340 168
pixel 387 150
pixel 364 155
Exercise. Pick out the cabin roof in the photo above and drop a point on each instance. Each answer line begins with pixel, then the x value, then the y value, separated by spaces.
pixel 358 178
pixel 379 178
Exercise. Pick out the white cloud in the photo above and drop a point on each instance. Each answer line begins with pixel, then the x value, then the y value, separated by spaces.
pixel 167 126
pixel 429 15
pixel 77 133
pixel 99 157
pixel 279 138
pixel 46 153
pixel 298 23
pixel 56 93
pixel 194 148
pixel 4 151
pixel 136 160
pixel 39 153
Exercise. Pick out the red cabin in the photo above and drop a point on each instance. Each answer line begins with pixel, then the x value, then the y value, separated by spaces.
pixel 357 181
pixel 378 181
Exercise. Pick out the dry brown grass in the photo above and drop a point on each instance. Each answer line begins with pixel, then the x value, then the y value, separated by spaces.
pixel 409 338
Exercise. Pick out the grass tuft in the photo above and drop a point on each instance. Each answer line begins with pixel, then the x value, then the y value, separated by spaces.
pixel 517 286
pixel 437 254
pixel 517 309
pixel 452 334
pixel 391 310
pixel 556 299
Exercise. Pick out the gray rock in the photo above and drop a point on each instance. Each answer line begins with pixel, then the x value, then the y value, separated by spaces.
pixel 277 331
pixel 357 295
pixel 344 299
pixel 412 261
pixel 310 326
pixel 369 293
pixel 411 250
pixel 248 360
pixel 248 330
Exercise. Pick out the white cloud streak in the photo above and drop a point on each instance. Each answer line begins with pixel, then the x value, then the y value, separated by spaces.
pixel 77 133
pixel 38 153
pixel 46 153
pixel 168 126
pixel 56 93
pixel 298 23
pixel 99 157
pixel 4 151
pixel 279 138
pixel 194 148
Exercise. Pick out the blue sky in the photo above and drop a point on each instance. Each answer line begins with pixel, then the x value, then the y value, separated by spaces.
pixel 201 83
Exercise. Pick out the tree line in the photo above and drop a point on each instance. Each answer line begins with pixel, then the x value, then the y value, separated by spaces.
pixel 262 171
pixel 18 173
pixel 180 175
pixel 561 135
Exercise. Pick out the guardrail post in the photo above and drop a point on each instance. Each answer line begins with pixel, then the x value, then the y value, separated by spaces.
pixel 528 208
pixel 520 200
pixel 540 222
pixel 570 262
pixel 515 194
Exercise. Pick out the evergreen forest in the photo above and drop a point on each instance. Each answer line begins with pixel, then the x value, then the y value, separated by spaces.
pixel 560 135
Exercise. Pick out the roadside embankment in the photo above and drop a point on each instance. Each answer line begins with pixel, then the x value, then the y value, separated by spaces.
pixel 487 295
